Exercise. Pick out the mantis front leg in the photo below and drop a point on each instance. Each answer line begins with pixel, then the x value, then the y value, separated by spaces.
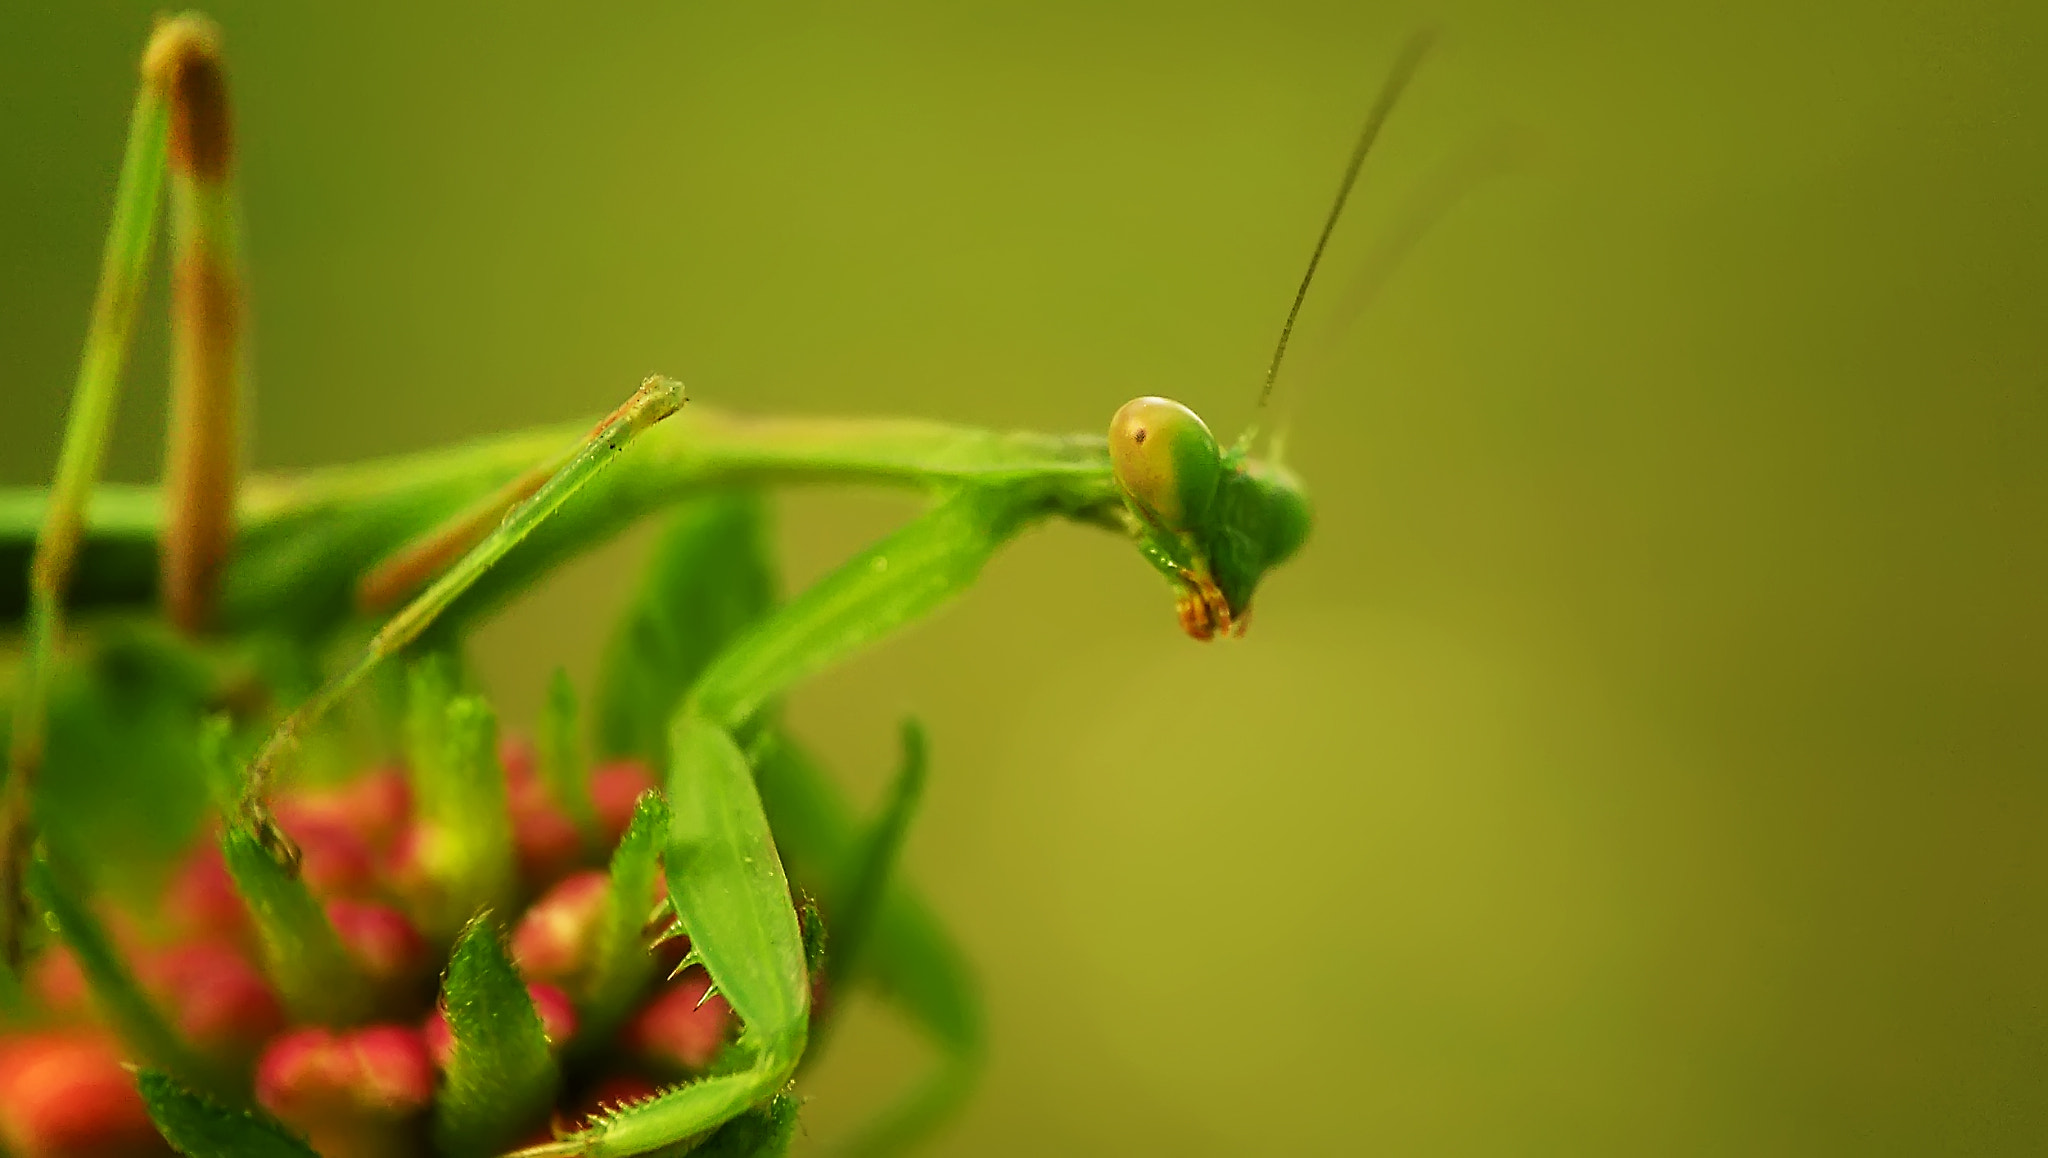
pixel 748 944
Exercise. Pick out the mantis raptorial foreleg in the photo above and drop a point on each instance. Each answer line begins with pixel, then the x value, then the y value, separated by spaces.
pixel 748 945
pixel 709 583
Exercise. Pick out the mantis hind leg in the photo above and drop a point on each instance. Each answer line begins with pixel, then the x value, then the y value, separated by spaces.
pixel 124 269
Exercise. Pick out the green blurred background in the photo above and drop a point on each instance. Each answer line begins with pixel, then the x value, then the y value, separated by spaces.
pixel 1645 757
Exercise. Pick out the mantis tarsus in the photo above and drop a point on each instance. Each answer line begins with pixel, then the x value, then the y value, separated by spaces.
pixel 450 534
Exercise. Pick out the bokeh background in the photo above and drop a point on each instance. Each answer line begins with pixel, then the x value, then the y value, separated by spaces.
pixel 1645 757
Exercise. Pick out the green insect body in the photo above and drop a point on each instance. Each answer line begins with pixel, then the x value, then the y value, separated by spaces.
pixel 436 541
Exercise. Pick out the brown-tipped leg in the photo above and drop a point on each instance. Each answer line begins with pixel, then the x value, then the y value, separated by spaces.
pixel 16 833
pixel 203 459
pixel 124 269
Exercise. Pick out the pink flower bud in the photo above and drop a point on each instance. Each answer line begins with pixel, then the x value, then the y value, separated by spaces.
pixel 557 1021
pixel 548 841
pixel 679 1029
pixel 557 1015
pixel 221 1002
pixel 372 808
pixel 517 757
pixel 332 858
pixel 543 836
pixel 56 983
pixel 64 1094
pixel 350 1092
pixel 201 901
pixel 614 789
pixel 554 939
pixel 379 937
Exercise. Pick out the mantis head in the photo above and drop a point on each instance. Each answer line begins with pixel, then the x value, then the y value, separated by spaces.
pixel 1213 522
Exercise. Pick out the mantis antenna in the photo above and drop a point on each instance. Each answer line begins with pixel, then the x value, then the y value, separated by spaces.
pixel 1404 70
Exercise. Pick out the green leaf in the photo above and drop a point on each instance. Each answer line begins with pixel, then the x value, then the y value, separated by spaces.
pixel 135 1019
pixel 464 848
pixel 122 792
pixel 562 766
pixel 221 771
pixel 501 1078
pixel 430 687
pixel 621 965
pixel 198 1127
pixel 762 1132
pixel 859 900
pixel 726 883
pixel 709 580
pixel 907 954
pixel 301 952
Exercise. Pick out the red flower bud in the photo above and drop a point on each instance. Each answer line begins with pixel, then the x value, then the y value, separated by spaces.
pixel 548 841
pixel 65 1094
pixel 334 860
pixel 679 1029
pixel 372 808
pixel 519 760
pixel 379 937
pixel 557 1015
pixel 202 902
pixel 56 983
pixel 350 1092
pixel 614 789
pixel 543 836
pixel 554 939
pixel 221 1002
pixel 557 1021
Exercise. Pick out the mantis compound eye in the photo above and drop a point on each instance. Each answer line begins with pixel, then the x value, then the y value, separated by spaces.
pixel 1165 461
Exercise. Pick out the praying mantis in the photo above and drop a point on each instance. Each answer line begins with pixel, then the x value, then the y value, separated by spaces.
pixel 431 542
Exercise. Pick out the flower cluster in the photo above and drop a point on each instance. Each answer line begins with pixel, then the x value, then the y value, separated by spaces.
pixel 362 1079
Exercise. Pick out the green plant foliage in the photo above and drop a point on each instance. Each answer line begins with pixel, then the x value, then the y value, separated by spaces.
pixel 563 767
pixel 126 705
pixel 318 979
pixel 874 859
pixel 708 581
pixel 909 956
pixel 502 1076
pixel 762 1132
pixel 620 964
pixel 465 844
pixel 198 1127
pixel 135 1019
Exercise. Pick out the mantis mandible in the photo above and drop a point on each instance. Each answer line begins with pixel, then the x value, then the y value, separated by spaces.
pixel 432 541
